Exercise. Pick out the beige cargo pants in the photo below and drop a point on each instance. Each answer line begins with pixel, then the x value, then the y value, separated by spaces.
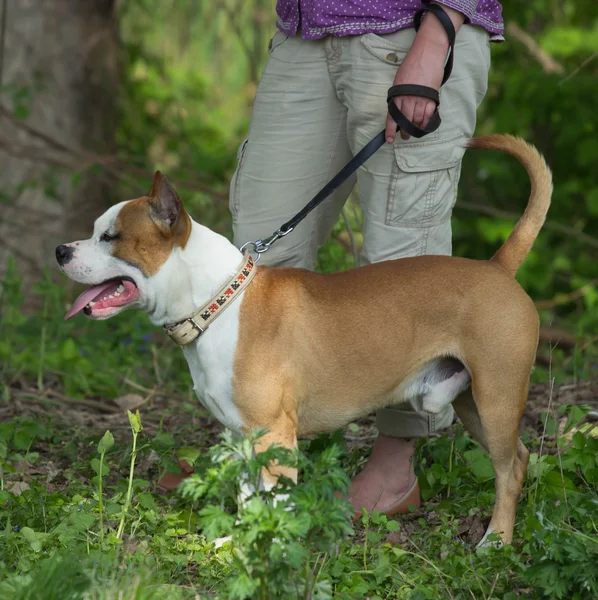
pixel 317 104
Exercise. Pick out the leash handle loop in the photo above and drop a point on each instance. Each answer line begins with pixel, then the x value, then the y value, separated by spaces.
pixel 401 120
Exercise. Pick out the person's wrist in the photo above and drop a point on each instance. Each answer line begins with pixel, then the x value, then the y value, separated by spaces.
pixel 431 33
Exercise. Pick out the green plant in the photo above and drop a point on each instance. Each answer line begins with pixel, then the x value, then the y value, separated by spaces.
pixel 135 422
pixel 283 537
pixel 103 446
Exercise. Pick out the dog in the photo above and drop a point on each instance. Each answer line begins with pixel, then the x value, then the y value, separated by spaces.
pixel 300 353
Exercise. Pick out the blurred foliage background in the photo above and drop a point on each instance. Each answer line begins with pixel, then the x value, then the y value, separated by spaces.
pixel 97 95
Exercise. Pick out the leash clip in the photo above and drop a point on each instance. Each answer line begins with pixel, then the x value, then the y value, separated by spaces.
pixel 261 246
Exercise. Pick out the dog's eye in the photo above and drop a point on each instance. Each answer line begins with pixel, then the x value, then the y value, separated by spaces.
pixel 109 237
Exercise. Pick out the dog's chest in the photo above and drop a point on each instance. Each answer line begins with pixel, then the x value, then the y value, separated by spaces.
pixel 210 362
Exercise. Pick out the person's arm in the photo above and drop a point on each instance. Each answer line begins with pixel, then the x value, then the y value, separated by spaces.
pixel 424 64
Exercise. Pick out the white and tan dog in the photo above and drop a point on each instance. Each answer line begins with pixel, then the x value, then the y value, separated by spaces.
pixel 299 352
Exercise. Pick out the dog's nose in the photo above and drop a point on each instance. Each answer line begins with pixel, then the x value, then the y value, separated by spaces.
pixel 64 254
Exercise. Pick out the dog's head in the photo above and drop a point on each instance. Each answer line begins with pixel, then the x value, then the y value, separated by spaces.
pixel 130 245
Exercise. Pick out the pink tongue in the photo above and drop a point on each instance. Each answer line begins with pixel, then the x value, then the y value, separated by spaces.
pixel 86 297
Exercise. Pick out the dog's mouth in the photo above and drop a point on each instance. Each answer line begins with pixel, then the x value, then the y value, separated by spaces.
pixel 105 299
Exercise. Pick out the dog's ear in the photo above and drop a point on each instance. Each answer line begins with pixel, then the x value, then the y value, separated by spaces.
pixel 164 202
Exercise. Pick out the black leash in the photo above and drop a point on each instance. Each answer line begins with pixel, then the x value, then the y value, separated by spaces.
pixel 262 245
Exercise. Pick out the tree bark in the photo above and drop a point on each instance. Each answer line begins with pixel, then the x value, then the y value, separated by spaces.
pixel 60 78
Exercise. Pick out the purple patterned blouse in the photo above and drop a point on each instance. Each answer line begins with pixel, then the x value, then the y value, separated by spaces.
pixel 320 18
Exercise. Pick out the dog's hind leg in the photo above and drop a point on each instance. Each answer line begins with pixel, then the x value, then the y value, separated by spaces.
pixel 493 420
pixel 468 413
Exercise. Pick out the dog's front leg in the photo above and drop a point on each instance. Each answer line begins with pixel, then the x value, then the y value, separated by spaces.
pixel 280 432
pixel 283 432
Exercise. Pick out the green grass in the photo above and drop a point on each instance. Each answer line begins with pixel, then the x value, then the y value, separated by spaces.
pixel 81 515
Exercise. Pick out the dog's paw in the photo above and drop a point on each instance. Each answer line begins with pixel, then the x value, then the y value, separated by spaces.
pixel 486 544
pixel 219 542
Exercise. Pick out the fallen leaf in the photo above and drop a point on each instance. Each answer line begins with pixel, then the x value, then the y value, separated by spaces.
pixel 18 488
pixel 171 481
pixel 401 537
pixel 129 401
pixel 472 528
pixel 186 467
pixel 52 470
pixel 48 469
pixel 153 457
pixel 23 466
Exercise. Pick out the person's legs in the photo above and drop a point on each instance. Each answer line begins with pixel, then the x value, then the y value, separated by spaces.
pixel 297 141
pixel 407 193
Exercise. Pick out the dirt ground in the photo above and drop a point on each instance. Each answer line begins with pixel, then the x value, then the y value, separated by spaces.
pixel 101 414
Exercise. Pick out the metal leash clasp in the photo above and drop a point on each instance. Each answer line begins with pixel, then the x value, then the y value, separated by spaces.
pixel 261 246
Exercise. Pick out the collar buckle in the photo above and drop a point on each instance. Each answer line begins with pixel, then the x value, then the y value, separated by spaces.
pixel 196 326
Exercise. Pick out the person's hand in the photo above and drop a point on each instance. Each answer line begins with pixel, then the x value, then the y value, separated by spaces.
pixel 423 65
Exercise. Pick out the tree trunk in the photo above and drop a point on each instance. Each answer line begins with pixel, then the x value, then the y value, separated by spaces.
pixel 60 77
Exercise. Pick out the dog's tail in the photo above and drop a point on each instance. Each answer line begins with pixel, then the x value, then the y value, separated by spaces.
pixel 513 252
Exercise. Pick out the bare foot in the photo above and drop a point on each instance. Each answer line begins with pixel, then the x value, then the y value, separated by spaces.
pixel 387 476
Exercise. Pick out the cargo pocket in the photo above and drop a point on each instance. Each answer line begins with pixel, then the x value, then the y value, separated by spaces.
pixel 234 196
pixel 423 185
